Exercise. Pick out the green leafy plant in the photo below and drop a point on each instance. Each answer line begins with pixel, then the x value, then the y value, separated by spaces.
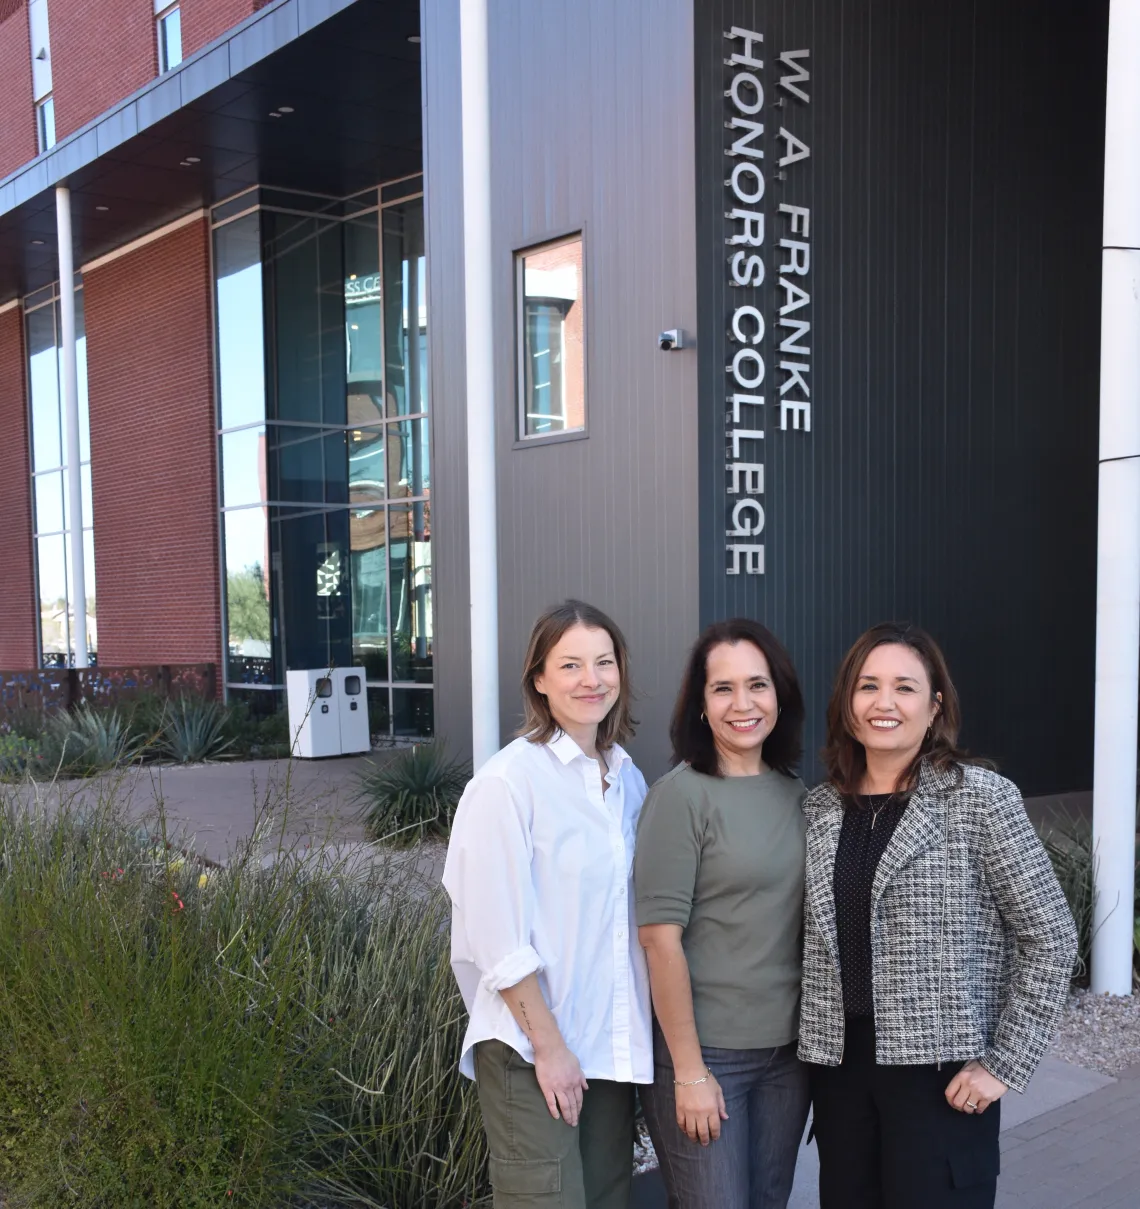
pixel 17 756
pixel 412 795
pixel 87 741
pixel 259 736
pixel 194 731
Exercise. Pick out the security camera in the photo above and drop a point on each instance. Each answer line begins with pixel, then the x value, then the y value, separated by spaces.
pixel 673 339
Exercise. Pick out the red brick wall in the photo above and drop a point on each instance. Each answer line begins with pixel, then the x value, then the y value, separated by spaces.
pixel 17 582
pixel 153 453
pixel 101 51
pixel 205 20
pixel 17 113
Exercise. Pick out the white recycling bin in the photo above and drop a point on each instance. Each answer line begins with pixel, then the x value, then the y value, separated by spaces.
pixel 352 702
pixel 314 713
pixel 328 711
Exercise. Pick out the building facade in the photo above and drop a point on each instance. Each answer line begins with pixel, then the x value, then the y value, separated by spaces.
pixel 875 232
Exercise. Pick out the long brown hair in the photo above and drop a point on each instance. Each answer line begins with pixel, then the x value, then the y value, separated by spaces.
pixel 539 725
pixel 691 736
pixel 844 756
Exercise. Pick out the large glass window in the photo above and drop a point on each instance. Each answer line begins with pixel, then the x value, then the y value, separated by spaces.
pixel 51 492
pixel 322 345
pixel 551 344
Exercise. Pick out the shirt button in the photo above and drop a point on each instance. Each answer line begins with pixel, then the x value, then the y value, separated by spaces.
pixel 621 934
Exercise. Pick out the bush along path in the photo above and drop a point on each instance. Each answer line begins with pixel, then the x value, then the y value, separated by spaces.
pixel 275 1033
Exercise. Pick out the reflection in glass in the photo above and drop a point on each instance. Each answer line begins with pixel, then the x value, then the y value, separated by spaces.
pixel 307 465
pixel 304 285
pixel 409 556
pixel 412 711
pixel 312 549
pixel 405 309
pixel 368 537
pixel 49 502
pixel 408 470
pixel 244 467
pixel 43 383
pixel 552 367
pixel 362 318
pixel 240 342
pixel 89 588
pixel 366 465
pixel 379 711
pixel 247 597
pixel 51 566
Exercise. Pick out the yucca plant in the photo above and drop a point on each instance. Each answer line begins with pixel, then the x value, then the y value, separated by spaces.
pixel 412 795
pixel 87 741
pixel 194 731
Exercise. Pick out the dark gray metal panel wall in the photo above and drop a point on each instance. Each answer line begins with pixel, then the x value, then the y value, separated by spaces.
pixel 592 129
pixel 950 477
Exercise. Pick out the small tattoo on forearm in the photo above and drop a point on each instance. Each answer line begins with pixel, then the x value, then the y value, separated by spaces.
pixel 526 1019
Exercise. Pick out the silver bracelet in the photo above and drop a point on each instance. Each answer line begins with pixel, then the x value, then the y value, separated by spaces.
pixel 693 1082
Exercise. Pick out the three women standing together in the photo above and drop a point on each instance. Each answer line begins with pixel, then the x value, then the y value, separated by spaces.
pixel 892 946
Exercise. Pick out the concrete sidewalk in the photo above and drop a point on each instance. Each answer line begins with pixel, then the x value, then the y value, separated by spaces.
pixel 1073 1140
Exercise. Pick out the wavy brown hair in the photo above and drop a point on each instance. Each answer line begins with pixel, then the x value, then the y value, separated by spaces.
pixel 691 736
pixel 844 756
pixel 539 725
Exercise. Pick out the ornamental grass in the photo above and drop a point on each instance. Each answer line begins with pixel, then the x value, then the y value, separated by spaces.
pixel 278 1032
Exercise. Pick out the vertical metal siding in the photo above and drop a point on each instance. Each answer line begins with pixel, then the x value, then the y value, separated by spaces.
pixel 592 129
pixel 950 475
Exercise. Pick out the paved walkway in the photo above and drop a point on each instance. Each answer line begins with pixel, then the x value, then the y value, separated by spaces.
pixel 1071 1142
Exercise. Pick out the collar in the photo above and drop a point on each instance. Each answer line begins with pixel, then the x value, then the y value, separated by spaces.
pixel 932 782
pixel 565 748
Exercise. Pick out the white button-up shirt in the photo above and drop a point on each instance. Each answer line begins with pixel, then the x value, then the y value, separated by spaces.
pixel 539 869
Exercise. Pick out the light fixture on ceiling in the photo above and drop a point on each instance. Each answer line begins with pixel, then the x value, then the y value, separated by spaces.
pixel 37 243
pixel 274 114
pixel 184 164
pixel 102 209
pixel 284 108
pixel 352 276
pixel 193 159
pixel 414 39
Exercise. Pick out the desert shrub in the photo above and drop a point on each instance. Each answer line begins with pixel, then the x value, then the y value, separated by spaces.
pixel 259 736
pixel 194 730
pixel 25 722
pixel 87 741
pixel 175 1036
pixel 1070 848
pixel 412 794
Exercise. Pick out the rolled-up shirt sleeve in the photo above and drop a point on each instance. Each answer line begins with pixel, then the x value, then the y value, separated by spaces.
pixel 488 877
pixel 667 857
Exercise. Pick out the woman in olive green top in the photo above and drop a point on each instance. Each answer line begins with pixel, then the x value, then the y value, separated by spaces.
pixel 719 882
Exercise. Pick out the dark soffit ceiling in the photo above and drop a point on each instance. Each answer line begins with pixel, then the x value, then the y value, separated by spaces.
pixel 353 82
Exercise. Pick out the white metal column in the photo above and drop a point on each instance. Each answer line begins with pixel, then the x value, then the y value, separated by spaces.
pixel 1118 539
pixel 69 381
pixel 481 499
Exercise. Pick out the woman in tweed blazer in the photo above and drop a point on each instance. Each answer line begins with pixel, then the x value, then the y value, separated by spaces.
pixel 938 946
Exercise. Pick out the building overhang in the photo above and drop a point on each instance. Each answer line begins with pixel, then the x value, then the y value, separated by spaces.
pixel 321 96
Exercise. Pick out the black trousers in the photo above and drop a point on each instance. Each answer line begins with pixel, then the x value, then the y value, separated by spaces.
pixel 888 1139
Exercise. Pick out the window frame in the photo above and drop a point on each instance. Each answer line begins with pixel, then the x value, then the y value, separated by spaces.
pixel 42 142
pixel 519 254
pixel 160 19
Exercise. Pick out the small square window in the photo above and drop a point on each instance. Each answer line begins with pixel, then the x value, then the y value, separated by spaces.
pixel 169 39
pixel 551 339
pixel 45 123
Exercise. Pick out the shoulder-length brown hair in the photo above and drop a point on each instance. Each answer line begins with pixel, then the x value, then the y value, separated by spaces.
pixel 691 736
pixel 844 756
pixel 539 725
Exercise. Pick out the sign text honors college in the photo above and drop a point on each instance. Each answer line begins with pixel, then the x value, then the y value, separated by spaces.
pixel 745 214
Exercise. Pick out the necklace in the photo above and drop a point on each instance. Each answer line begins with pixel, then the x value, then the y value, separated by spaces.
pixel 876 810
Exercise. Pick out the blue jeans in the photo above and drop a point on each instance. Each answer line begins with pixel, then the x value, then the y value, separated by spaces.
pixel 752 1164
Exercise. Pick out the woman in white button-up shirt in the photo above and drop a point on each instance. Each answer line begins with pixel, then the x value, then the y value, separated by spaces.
pixel 543 944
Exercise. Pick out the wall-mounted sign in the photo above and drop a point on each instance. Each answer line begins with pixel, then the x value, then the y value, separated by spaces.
pixel 749 320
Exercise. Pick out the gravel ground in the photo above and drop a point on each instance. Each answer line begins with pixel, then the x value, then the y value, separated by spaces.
pixel 1100 1032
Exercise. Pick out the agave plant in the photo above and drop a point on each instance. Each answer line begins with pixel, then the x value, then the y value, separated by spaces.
pixel 87 741
pixel 412 795
pixel 195 731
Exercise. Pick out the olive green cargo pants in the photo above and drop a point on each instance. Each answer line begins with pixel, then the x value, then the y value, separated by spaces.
pixel 538 1162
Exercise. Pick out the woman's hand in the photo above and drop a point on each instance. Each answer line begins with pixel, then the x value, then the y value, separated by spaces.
pixel 561 1080
pixel 700 1110
pixel 973 1089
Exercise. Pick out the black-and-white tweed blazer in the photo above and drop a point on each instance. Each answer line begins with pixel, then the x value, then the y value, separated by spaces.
pixel 972 942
